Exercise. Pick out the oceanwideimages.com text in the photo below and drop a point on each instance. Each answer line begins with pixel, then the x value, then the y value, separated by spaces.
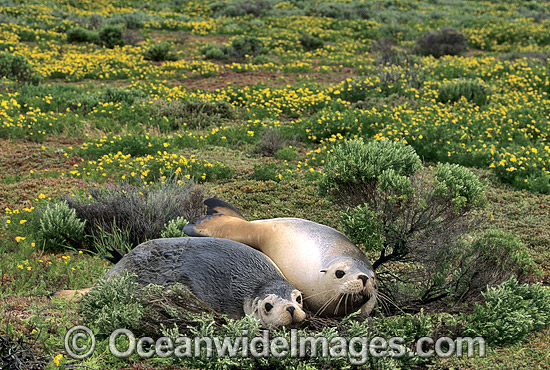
pixel 356 349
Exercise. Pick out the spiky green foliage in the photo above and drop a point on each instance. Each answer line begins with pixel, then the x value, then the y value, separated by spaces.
pixel 510 312
pixel 355 167
pixel 174 228
pixel 60 227
pixel 159 52
pixel 404 214
pixel 460 185
pixel 471 90
pixel 111 36
pixel 79 34
pixel 16 67
pixel 113 304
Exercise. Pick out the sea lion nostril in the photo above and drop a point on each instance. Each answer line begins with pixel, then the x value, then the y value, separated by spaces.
pixel 363 278
pixel 291 310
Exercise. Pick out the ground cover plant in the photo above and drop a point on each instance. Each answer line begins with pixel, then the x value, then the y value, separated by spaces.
pixel 418 129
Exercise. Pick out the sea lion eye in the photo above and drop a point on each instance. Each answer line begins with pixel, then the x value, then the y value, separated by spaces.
pixel 268 307
pixel 340 274
pixel 299 299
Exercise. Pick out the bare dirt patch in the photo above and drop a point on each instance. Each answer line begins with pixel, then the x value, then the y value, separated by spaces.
pixel 268 78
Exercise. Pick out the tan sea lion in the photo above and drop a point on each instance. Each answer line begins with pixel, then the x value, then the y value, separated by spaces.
pixel 335 277
pixel 230 277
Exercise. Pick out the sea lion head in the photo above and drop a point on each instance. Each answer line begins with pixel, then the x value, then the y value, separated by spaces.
pixel 277 304
pixel 349 284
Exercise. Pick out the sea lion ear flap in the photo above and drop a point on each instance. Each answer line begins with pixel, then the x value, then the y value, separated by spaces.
pixel 219 207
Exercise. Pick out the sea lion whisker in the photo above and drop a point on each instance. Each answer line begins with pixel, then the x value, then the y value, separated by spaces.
pixel 326 304
pixel 340 301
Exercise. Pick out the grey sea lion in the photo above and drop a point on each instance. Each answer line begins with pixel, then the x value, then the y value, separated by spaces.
pixel 230 277
pixel 335 277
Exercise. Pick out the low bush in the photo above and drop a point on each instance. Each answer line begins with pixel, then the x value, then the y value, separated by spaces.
pixel 193 113
pixel 132 37
pixel 17 68
pixel 471 90
pixel 113 304
pixel 310 42
pixel 509 312
pixel 60 228
pixel 140 210
pixel 241 8
pixel 79 34
pixel 409 217
pixel 287 154
pixel 111 36
pixel 131 20
pixel 159 52
pixel 174 228
pixel 446 41
pixel 238 49
pixel 270 142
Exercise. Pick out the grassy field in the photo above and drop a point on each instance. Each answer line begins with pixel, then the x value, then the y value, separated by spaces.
pixel 248 100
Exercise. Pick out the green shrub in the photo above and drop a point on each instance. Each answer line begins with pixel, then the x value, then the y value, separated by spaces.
pixel 363 226
pixel 473 91
pixel 111 36
pixel 131 21
pixel 491 258
pixel 193 113
pixel 113 304
pixel 120 95
pixel 174 228
pixel 246 45
pixel 458 184
pixel 159 52
pixel 214 52
pixel 446 41
pixel 60 228
pixel 107 240
pixel 17 68
pixel 79 34
pixel 238 49
pixel 510 312
pixel 410 217
pixel 310 42
pixel 241 8
pixel 355 166
pixel 287 154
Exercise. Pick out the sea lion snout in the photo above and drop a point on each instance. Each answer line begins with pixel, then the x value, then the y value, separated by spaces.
pixel 364 279
pixel 291 309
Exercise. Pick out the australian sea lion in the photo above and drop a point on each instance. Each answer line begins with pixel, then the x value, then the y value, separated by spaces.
pixel 335 277
pixel 228 276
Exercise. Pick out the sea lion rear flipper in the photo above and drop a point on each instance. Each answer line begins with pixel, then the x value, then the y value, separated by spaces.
pixel 219 207
pixel 222 221
pixel 69 295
